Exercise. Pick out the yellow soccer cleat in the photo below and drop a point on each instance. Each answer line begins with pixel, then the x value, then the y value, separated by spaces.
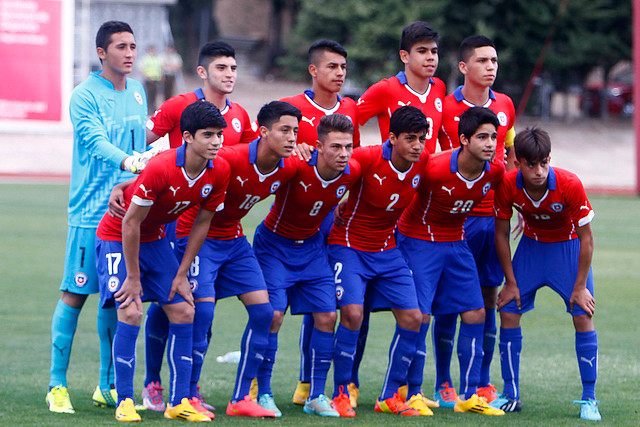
pixel 107 398
pixel 58 400
pixel 418 402
pixel 354 394
pixel 253 391
pixel 402 392
pixel 476 404
pixel 301 394
pixel 126 411
pixel 184 411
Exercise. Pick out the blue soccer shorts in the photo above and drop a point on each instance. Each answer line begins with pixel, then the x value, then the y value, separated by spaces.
pixel 297 272
pixel 445 275
pixel 158 267
pixel 537 264
pixel 383 276
pixel 479 231
pixel 80 262
pixel 223 268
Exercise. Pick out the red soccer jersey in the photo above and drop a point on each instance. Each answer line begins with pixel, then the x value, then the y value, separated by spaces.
pixel 312 113
pixel 247 186
pixel 377 200
pixel 454 105
pixel 553 218
pixel 166 119
pixel 302 204
pixel 439 209
pixel 165 186
pixel 386 96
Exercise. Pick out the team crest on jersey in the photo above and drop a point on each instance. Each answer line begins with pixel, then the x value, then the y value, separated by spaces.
pixel 438 104
pixel 194 285
pixel 80 279
pixel 339 292
pixel 502 118
pixel 341 190
pixel 113 283
pixel 237 126
pixel 486 188
pixel 206 190
pixel 138 97
pixel 415 181
pixel 274 186
pixel 557 207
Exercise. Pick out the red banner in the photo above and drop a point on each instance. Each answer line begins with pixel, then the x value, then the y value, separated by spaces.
pixel 31 64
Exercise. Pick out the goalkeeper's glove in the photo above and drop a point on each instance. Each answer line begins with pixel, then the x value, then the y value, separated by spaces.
pixel 136 162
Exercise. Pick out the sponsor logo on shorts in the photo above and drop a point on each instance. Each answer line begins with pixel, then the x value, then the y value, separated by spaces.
pixel 502 118
pixel 274 186
pixel 557 207
pixel 80 279
pixel 237 126
pixel 339 292
pixel 486 188
pixel 194 284
pixel 113 283
pixel 138 97
pixel 415 181
pixel 438 104
pixel 341 190
pixel 206 190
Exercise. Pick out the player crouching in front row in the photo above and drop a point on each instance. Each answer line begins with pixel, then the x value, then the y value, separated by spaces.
pixel 170 183
pixel 556 250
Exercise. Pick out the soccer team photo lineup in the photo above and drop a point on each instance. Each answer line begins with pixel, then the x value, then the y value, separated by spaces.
pixel 418 221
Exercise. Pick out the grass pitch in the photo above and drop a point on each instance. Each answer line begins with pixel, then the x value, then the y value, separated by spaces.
pixel 33 224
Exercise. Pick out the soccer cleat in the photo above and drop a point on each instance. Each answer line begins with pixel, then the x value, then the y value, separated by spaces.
pixel 107 398
pixel 402 392
pixel 507 404
pixel 418 403
pixel 301 394
pixel 342 404
pixel 58 400
pixel 126 411
pixel 354 394
pixel 253 391
pixel 478 405
pixel 247 407
pixel 395 405
pixel 152 397
pixel 446 396
pixel 589 409
pixel 489 392
pixel 204 404
pixel 184 411
pixel 320 406
pixel 267 402
pixel 197 405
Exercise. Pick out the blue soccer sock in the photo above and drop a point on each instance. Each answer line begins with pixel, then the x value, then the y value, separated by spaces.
pixel 416 369
pixel 156 330
pixel 510 348
pixel 321 355
pixel 401 353
pixel 587 353
pixel 179 356
pixel 488 346
pixel 343 354
pixel 265 371
pixel 470 357
pixel 305 357
pixel 362 341
pixel 63 327
pixel 201 323
pixel 443 332
pixel 124 355
pixel 254 342
pixel 107 323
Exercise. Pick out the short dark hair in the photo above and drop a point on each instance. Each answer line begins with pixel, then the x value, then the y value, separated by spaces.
pixel 214 49
pixel 473 118
pixel 107 29
pixel 532 144
pixel 270 113
pixel 407 119
pixel 324 45
pixel 201 115
pixel 334 123
pixel 417 32
pixel 469 44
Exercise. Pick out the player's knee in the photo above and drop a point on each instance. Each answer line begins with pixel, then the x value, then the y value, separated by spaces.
pixel 351 316
pixel 276 323
pixel 409 319
pixel 180 313
pixel 325 322
pixel 509 320
pixel 130 315
pixel 583 323
pixel 473 316
pixel 72 299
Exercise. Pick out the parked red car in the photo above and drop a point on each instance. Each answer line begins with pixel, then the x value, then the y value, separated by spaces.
pixel 619 92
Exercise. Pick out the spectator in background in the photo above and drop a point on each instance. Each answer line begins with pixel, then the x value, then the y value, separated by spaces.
pixel 152 72
pixel 171 68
